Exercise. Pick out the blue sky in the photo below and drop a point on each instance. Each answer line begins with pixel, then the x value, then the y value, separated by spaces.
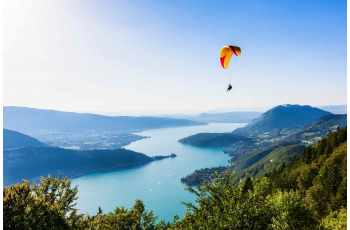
pixel 164 55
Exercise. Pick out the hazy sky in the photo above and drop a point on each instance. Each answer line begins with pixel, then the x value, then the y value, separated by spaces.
pixel 164 55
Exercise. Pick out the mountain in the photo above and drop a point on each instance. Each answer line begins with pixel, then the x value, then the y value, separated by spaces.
pixel 232 117
pixel 228 110
pixel 213 139
pixel 13 139
pixel 320 128
pixel 336 109
pixel 27 120
pixel 307 135
pixel 241 146
pixel 283 116
pixel 32 162
pixel 257 163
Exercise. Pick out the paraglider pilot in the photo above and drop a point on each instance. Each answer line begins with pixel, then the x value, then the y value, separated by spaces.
pixel 229 88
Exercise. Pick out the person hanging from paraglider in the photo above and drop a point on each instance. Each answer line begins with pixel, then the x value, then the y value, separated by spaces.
pixel 225 56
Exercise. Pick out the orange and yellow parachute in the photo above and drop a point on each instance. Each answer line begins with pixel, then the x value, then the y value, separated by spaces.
pixel 226 53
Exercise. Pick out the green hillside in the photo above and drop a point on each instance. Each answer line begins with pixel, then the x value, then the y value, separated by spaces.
pixel 257 163
pixel 214 139
pixel 238 163
pixel 320 173
pixel 275 159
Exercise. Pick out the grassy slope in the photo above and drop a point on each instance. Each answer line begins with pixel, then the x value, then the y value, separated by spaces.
pixel 274 160
pixel 247 160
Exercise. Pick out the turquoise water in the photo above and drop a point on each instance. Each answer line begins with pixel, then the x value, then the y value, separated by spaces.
pixel 158 183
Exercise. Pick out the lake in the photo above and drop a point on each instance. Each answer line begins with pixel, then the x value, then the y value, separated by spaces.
pixel 157 183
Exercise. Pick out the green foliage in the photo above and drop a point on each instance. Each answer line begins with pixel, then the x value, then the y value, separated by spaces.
pixel 50 205
pixel 225 204
pixel 136 218
pixel 201 176
pixel 291 211
pixel 320 174
pixel 25 210
pixel 335 220
pixel 58 191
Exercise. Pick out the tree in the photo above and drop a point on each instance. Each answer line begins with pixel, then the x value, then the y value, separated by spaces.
pixel 224 205
pixel 58 191
pixel 136 218
pixel 25 210
pixel 291 211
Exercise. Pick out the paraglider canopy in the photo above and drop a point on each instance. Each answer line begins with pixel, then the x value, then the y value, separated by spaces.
pixel 226 53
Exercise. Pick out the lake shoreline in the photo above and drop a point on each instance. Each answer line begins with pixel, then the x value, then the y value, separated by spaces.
pixel 158 184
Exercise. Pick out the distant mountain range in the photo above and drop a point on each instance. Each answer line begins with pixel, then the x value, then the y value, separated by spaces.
pixel 230 117
pixel 283 116
pixel 27 120
pixel 230 110
pixel 336 109
pixel 247 115
pixel 13 139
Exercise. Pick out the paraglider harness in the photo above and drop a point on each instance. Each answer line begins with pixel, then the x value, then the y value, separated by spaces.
pixel 229 88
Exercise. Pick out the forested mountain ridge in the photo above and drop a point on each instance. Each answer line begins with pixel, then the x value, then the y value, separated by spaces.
pixel 336 109
pixel 320 173
pixel 275 159
pixel 13 139
pixel 26 120
pixel 33 162
pixel 257 163
pixel 309 134
pixel 214 139
pixel 282 116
